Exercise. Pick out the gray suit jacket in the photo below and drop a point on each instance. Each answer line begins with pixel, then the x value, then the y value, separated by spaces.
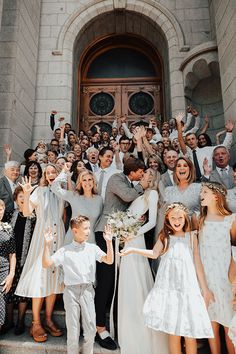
pixel 216 177
pixel 165 178
pixel 119 195
pixel 6 194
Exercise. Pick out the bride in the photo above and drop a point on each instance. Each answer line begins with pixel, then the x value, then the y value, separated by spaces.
pixel 136 281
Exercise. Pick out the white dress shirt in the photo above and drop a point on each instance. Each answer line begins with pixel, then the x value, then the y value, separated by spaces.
pixel 78 261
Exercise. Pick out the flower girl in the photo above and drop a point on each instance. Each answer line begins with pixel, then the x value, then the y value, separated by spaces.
pixel 217 227
pixel 175 305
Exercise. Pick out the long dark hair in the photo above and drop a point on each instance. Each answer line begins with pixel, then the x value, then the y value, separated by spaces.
pixel 32 163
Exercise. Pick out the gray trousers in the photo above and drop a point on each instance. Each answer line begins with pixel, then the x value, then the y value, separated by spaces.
pixel 79 301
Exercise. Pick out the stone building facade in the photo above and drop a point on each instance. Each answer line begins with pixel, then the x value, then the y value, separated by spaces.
pixel 46 46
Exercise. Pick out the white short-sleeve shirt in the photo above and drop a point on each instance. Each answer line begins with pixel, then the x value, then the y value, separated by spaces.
pixel 78 261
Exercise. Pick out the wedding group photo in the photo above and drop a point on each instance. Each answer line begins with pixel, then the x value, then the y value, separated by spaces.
pixel 118 176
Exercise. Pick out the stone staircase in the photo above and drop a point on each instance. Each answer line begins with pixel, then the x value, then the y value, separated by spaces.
pixel 24 344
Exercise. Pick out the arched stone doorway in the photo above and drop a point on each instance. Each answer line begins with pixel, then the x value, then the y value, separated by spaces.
pixel 119 75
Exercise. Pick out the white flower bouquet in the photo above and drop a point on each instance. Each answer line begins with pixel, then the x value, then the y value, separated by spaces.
pixel 124 225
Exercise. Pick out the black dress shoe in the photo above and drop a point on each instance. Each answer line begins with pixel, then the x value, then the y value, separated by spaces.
pixel 105 340
pixel 19 329
pixel 6 328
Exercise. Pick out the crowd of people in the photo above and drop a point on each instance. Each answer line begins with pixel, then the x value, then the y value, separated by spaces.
pixel 54 236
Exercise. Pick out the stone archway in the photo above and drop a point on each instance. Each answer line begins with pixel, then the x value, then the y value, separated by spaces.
pixel 161 18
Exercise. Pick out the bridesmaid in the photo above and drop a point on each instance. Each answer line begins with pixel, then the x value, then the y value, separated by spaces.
pixel 35 281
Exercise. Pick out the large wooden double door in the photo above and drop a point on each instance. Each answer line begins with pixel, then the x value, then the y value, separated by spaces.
pixel 119 75
pixel 104 103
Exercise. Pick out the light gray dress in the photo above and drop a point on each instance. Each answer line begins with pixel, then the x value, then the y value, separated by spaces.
pixel 80 205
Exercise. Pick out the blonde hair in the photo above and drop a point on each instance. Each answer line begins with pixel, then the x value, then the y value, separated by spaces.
pixel 43 180
pixel 79 181
pixel 192 173
pixel 164 234
pixel 221 204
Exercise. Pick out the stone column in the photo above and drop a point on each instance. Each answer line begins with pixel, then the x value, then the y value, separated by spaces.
pixel 19 35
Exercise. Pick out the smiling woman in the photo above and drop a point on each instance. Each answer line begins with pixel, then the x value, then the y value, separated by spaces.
pixel 185 190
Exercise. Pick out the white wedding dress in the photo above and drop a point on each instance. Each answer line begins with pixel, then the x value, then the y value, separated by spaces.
pixel 135 282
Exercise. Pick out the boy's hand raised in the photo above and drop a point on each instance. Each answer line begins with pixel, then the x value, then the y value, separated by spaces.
pixel 107 234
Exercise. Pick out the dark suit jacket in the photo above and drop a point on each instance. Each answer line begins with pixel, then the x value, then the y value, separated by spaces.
pixel 6 194
pixel 119 195
pixel 88 166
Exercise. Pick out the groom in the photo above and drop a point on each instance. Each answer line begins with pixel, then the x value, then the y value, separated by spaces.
pixel 120 192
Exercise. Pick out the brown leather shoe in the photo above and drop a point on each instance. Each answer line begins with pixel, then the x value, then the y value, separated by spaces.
pixel 38 332
pixel 52 329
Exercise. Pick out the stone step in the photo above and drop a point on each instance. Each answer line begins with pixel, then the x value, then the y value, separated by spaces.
pixel 24 344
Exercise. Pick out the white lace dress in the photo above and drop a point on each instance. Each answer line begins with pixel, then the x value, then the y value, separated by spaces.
pixel 135 282
pixel 175 304
pixel 215 252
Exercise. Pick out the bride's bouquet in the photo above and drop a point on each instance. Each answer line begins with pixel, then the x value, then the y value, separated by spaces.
pixel 124 225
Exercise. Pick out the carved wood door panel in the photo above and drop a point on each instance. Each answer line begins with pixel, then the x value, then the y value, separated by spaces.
pixel 103 103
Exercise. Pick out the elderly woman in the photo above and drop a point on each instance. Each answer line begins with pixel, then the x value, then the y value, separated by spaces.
pixel 84 200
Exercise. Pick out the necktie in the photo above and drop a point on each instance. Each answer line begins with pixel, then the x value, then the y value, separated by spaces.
pixel 100 182
pixel 196 164
pixel 95 168
pixel 225 177
pixel 132 185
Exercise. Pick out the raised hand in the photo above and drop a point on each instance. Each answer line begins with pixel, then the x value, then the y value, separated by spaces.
pixel 206 167
pixel 229 125
pixel 179 117
pixel 7 149
pixel 189 109
pixel 54 112
pixel 67 167
pixel 123 119
pixel 108 234
pixel 194 112
pixel 206 118
pixel 26 185
pixel 48 236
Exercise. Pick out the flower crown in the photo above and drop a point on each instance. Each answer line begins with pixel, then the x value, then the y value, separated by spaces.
pixel 178 206
pixel 215 187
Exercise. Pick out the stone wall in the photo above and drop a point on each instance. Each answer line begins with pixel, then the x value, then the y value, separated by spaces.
pixel 225 22
pixel 18 66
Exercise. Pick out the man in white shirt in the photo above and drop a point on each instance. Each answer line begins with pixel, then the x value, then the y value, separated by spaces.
pixel 78 260
pixel 8 184
pixel 191 150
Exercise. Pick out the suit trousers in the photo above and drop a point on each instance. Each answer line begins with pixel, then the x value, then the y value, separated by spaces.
pixel 105 284
pixel 79 301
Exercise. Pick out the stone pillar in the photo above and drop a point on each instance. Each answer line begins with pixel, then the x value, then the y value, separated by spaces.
pixel 225 23
pixel 19 35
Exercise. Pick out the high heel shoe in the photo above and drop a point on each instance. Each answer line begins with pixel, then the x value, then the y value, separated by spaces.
pixel 52 329
pixel 38 332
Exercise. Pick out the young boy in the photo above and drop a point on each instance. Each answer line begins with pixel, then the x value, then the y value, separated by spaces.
pixel 78 260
